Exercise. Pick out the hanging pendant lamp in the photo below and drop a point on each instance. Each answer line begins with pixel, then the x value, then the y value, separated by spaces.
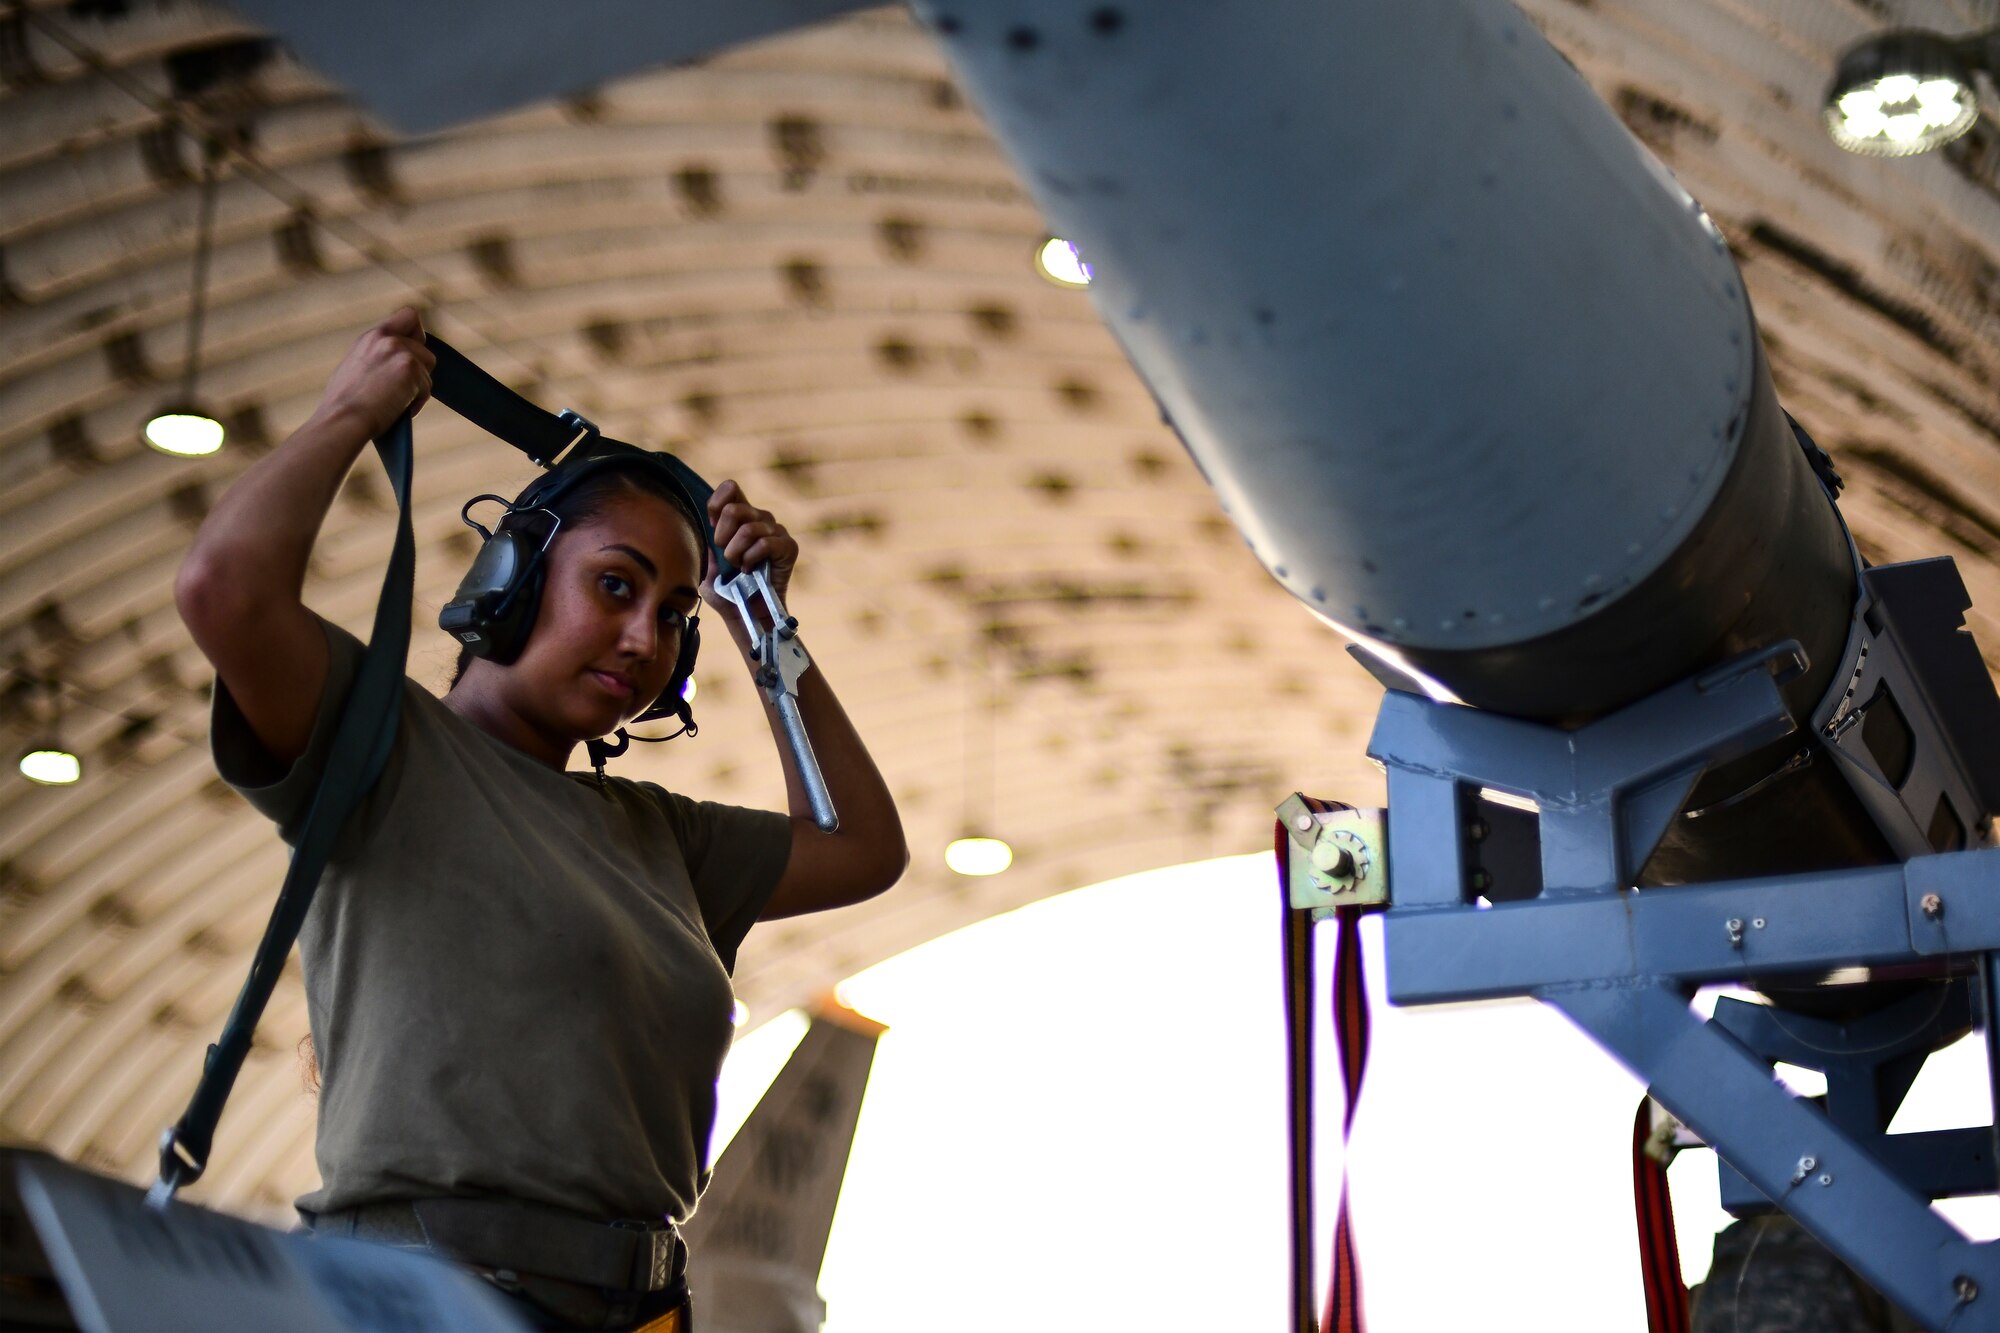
pixel 975 852
pixel 183 426
pixel 47 760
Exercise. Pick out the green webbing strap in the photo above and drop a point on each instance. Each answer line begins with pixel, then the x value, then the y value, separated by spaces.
pixel 361 744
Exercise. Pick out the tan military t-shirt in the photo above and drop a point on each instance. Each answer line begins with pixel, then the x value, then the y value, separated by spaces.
pixel 518 982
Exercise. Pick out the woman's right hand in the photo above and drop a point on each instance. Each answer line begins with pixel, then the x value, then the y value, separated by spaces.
pixel 385 374
pixel 240 588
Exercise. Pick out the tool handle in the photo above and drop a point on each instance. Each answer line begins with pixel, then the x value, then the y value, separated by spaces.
pixel 802 751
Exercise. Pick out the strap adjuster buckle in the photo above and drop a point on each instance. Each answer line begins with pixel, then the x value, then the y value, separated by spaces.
pixel 179 1165
pixel 584 427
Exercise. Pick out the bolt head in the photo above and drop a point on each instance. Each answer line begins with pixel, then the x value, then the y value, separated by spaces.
pixel 1806 1164
pixel 1332 860
pixel 1933 905
pixel 1826 1179
pixel 1303 823
pixel 1964 1288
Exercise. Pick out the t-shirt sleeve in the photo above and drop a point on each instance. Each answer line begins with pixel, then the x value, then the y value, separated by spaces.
pixel 734 857
pixel 283 794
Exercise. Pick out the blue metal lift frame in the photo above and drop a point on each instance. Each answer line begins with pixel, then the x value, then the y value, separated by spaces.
pixel 1623 964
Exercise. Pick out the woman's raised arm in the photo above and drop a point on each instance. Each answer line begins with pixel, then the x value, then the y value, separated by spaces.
pixel 239 588
pixel 868 853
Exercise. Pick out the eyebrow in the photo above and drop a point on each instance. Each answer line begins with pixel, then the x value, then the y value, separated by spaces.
pixel 652 571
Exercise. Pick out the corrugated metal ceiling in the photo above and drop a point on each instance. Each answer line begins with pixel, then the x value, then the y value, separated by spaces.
pixel 803 264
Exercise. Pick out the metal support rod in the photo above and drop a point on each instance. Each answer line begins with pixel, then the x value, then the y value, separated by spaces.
pixel 1790 1151
pixel 1785 923
pixel 1989 1004
pixel 204 244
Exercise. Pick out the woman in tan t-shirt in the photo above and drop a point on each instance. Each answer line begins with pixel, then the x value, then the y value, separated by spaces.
pixel 620 588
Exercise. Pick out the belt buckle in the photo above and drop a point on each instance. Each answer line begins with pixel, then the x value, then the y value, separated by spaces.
pixel 663 1258
pixel 656 1252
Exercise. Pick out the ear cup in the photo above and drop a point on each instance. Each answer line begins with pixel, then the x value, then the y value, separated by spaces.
pixel 514 615
pixel 495 605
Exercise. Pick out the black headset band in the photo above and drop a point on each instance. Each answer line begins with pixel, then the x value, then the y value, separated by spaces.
pixel 548 490
pixel 573 450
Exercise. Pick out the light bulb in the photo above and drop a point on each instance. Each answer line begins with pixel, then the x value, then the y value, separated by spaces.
pixel 978 856
pixel 184 432
pixel 1060 263
pixel 51 765
pixel 1897 88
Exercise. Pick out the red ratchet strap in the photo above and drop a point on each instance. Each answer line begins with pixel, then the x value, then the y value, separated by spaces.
pixel 1659 1250
pixel 1299 1089
pixel 1350 1031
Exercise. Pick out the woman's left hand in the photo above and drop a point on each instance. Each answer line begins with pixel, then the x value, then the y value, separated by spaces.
pixel 869 851
pixel 750 537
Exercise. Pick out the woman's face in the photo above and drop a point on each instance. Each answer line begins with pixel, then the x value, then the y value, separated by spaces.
pixel 620 588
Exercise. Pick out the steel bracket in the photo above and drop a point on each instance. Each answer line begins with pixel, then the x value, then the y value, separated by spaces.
pixel 1623 963
pixel 1339 858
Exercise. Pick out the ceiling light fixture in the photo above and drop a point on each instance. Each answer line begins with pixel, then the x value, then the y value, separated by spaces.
pixel 1908 91
pixel 974 852
pixel 48 761
pixel 184 427
pixel 978 856
pixel 1061 263
pixel 50 764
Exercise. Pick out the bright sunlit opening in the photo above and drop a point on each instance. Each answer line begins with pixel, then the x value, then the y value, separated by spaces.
pixel 51 768
pixel 1060 263
pixel 978 856
pixel 184 434
pixel 1051 1075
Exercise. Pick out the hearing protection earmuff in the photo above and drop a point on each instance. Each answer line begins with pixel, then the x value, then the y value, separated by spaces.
pixel 496 603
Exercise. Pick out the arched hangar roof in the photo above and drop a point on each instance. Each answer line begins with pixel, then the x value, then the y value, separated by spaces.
pixel 804 264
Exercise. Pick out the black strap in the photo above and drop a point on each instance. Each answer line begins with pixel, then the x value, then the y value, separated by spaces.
pixel 542 435
pixel 495 408
pixel 360 748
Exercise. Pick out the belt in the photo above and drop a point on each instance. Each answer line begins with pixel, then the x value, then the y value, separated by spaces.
pixel 525 1237
pixel 673 1321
